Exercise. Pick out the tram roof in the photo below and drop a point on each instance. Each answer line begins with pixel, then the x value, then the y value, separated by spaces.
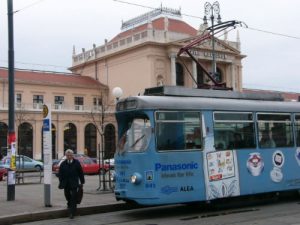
pixel 204 103
pixel 209 93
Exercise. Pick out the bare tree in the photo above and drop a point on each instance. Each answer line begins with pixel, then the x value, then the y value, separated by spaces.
pixel 99 115
pixel 21 116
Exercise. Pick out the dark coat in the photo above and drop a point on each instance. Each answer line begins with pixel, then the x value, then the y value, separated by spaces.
pixel 70 174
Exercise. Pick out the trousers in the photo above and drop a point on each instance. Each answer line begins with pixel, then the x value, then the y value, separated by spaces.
pixel 71 197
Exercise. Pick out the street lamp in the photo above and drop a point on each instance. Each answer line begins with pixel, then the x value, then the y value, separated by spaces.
pixel 117 93
pixel 213 12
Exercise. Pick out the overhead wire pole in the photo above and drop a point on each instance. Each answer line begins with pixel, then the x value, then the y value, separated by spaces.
pixel 11 102
pixel 215 29
pixel 212 10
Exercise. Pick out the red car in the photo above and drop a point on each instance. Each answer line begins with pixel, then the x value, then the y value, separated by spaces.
pixel 88 165
pixel 3 172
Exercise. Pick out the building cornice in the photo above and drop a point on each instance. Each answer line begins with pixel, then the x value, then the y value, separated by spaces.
pixel 39 83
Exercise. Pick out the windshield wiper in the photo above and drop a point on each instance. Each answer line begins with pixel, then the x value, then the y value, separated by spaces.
pixel 140 138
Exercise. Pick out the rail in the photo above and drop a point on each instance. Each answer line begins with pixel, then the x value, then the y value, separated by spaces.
pixel 21 174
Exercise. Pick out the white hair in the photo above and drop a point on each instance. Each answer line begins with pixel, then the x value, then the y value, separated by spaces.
pixel 69 151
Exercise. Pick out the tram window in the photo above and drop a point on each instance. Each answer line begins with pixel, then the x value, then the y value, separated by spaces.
pixel 297 129
pixel 222 116
pixel 136 138
pixel 274 130
pixel 234 130
pixel 178 131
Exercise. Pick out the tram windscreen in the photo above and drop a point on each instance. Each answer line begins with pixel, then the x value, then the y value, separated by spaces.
pixel 136 136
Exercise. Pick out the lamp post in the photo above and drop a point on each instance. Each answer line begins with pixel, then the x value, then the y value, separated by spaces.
pixel 213 12
pixel 117 93
pixel 11 105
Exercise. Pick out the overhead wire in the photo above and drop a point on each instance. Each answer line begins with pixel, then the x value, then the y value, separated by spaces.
pixel 273 33
pixel 150 7
pixel 28 6
pixel 198 17
pixel 37 64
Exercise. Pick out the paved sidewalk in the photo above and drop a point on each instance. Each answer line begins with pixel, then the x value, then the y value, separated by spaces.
pixel 29 197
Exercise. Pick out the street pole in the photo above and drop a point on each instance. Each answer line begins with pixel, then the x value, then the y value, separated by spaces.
pixel 102 145
pixel 213 66
pixel 11 101
pixel 47 153
pixel 212 10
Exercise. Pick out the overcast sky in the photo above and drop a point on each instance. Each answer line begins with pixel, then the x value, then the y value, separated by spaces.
pixel 46 32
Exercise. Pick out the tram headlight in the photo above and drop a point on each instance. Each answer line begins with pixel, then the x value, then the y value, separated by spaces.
pixel 136 178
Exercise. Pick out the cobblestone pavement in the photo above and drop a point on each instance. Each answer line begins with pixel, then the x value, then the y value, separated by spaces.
pixel 272 214
pixel 29 197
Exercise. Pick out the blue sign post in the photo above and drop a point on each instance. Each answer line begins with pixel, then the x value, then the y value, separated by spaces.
pixel 47 147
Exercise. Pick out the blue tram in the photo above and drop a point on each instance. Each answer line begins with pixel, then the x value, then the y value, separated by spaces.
pixel 198 145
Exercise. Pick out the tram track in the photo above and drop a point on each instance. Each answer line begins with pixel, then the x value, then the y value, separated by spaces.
pixel 219 208
pixel 182 213
pixel 192 212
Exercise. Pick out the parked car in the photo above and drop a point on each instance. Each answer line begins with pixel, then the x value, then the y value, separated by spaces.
pixel 95 159
pixel 110 162
pixel 88 165
pixel 54 163
pixel 23 162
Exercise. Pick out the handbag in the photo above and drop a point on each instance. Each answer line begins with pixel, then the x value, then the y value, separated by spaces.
pixel 60 185
pixel 79 195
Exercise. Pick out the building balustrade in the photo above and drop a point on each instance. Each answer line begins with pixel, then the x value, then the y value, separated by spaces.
pixel 158 36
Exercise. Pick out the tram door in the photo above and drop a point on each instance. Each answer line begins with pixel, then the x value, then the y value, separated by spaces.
pixel 220 167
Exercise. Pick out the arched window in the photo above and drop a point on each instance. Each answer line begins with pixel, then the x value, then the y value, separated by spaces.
pixel 110 141
pixel 200 76
pixel 179 75
pixel 219 75
pixel 70 137
pixel 3 139
pixel 90 140
pixel 25 139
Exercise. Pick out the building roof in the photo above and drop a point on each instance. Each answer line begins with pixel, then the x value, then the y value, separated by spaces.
pixel 288 96
pixel 174 25
pixel 52 78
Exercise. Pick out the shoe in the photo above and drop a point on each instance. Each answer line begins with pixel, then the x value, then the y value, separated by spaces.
pixel 71 216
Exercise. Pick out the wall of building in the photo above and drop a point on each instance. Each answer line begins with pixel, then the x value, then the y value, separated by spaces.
pixel 48 91
pixel 27 113
pixel 145 66
pixel 131 71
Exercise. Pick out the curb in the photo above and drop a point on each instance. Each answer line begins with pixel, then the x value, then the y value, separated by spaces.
pixel 60 213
